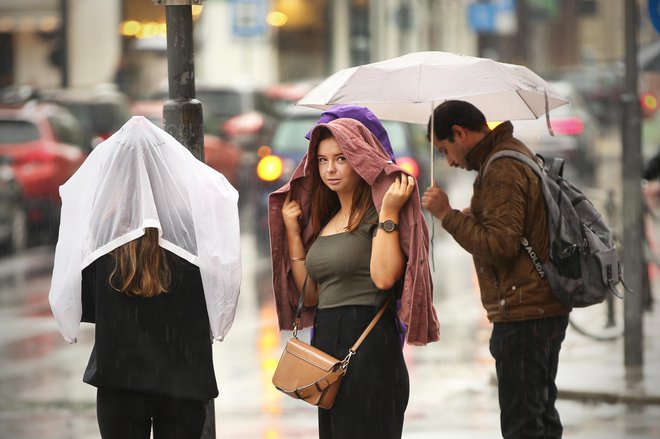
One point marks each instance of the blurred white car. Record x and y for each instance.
(575, 135)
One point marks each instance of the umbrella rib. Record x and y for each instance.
(526, 104)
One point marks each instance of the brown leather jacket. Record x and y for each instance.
(506, 205)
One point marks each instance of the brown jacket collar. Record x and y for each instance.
(476, 156)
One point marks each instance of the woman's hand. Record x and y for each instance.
(291, 214)
(398, 193)
(387, 259)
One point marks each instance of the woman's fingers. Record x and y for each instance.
(410, 185)
(405, 184)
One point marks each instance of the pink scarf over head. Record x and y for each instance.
(367, 156)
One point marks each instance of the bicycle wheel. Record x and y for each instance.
(601, 322)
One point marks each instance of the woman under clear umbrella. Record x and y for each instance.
(148, 250)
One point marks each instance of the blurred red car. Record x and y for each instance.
(221, 155)
(252, 128)
(46, 145)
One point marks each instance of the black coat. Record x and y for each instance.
(159, 345)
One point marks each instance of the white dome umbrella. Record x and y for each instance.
(408, 88)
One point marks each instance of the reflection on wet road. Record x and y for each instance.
(452, 393)
(40, 391)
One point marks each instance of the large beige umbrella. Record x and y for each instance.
(408, 87)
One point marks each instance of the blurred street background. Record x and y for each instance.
(73, 71)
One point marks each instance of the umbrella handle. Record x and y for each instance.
(547, 113)
(431, 137)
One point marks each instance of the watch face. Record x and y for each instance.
(389, 226)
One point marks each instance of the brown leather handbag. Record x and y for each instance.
(310, 374)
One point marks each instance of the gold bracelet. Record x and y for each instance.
(298, 259)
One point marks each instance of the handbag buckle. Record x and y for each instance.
(295, 330)
(347, 359)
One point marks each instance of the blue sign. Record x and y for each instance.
(654, 13)
(492, 16)
(481, 17)
(248, 18)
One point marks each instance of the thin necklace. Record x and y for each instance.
(339, 228)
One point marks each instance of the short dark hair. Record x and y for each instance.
(451, 113)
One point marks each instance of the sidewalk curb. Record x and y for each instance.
(608, 397)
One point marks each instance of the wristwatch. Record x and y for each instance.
(388, 225)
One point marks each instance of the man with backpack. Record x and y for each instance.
(507, 214)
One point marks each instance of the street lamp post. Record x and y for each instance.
(63, 50)
(632, 202)
(182, 112)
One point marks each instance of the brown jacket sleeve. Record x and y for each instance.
(493, 230)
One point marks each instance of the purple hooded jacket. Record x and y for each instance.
(367, 157)
(364, 115)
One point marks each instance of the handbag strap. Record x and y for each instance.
(371, 325)
(359, 341)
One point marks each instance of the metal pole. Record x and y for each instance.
(182, 112)
(64, 43)
(632, 200)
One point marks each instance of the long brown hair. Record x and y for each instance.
(141, 267)
(325, 201)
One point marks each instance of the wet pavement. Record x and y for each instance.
(453, 391)
(452, 382)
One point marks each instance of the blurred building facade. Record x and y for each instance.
(261, 42)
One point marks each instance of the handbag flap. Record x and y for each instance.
(310, 354)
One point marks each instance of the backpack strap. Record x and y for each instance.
(521, 158)
(536, 167)
(556, 169)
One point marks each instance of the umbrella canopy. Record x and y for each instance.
(142, 177)
(407, 88)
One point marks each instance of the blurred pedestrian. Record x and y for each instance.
(651, 199)
(351, 220)
(148, 250)
(529, 322)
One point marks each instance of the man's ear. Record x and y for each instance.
(459, 132)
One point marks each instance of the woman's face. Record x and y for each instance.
(334, 169)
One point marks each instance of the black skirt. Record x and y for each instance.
(373, 395)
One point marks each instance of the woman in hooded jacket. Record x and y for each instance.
(354, 264)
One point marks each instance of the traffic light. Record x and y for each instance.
(649, 104)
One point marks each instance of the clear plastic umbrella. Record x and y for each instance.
(142, 177)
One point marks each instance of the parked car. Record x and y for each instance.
(220, 103)
(601, 86)
(101, 109)
(221, 155)
(13, 218)
(253, 128)
(279, 157)
(575, 135)
(46, 145)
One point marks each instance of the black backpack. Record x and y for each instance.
(584, 264)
